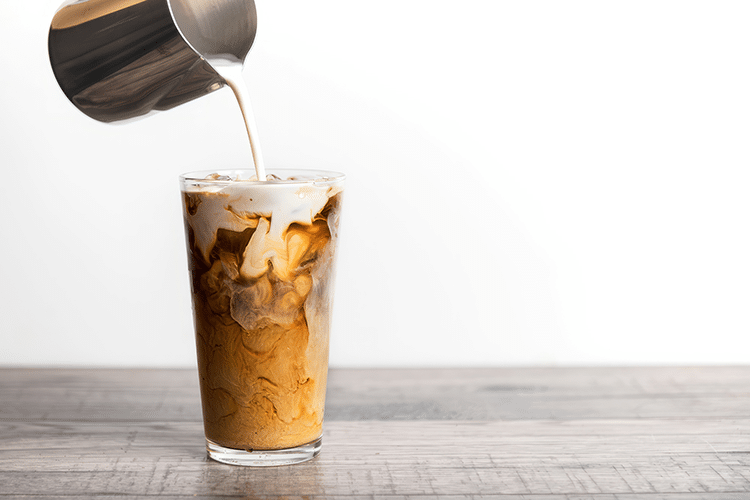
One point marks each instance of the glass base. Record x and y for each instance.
(264, 458)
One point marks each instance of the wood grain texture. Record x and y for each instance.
(404, 394)
(541, 434)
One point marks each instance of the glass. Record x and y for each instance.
(261, 258)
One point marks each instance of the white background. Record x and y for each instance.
(530, 182)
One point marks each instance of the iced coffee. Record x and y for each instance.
(261, 257)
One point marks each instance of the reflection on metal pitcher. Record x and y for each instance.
(118, 59)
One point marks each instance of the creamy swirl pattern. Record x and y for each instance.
(262, 258)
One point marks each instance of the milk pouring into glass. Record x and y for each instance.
(261, 249)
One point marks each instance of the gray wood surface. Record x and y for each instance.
(532, 433)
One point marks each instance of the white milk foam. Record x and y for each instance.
(270, 207)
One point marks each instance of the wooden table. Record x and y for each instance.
(531, 433)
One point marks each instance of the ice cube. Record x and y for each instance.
(217, 177)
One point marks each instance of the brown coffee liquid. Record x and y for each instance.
(262, 333)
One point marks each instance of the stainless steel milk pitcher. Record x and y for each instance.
(118, 59)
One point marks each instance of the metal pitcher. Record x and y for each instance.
(118, 59)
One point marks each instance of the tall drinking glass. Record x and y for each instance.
(261, 258)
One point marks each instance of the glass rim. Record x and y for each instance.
(243, 175)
